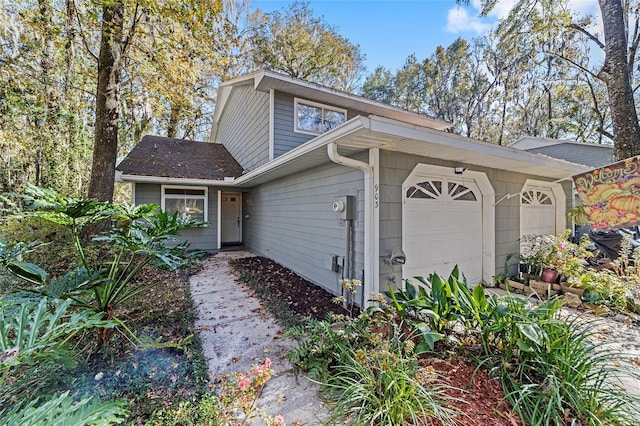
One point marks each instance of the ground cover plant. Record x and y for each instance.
(449, 388)
(61, 360)
(486, 360)
(552, 370)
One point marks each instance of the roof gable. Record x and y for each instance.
(179, 158)
(265, 81)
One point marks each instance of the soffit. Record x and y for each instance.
(362, 133)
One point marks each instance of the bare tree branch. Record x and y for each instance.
(588, 34)
(572, 62)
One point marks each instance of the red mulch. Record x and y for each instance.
(482, 401)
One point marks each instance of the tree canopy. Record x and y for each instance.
(298, 43)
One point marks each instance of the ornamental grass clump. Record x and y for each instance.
(551, 369)
(366, 367)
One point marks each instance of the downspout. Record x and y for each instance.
(371, 198)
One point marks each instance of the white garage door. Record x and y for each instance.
(442, 227)
(537, 212)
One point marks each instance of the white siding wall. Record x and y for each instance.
(292, 222)
(244, 127)
(205, 238)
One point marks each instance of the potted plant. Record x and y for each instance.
(579, 283)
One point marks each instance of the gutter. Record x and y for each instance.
(121, 177)
(371, 216)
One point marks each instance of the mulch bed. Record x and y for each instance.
(481, 399)
(277, 284)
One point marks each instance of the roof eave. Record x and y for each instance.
(162, 180)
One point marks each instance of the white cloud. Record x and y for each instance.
(460, 20)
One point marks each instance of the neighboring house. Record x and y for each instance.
(336, 185)
(590, 154)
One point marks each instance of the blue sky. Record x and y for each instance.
(388, 31)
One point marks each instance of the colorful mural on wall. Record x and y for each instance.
(611, 194)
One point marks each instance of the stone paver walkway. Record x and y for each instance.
(237, 332)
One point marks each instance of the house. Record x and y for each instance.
(334, 185)
(589, 154)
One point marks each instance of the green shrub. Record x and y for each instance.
(34, 344)
(140, 235)
(378, 386)
(366, 365)
(62, 410)
(205, 411)
(567, 379)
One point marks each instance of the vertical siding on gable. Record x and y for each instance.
(285, 137)
(244, 126)
(292, 222)
(396, 167)
(204, 238)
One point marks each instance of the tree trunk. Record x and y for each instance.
(45, 156)
(174, 119)
(105, 147)
(616, 76)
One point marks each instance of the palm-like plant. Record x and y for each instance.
(139, 236)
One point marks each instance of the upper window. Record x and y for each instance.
(188, 201)
(316, 118)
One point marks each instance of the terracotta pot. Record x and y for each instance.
(549, 275)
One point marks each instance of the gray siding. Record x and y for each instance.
(396, 167)
(291, 221)
(244, 127)
(285, 137)
(205, 238)
(586, 153)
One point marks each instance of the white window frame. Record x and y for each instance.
(323, 107)
(204, 197)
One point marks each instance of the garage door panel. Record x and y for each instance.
(445, 230)
(537, 212)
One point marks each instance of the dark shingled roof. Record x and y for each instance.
(179, 158)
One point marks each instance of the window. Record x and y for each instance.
(187, 201)
(317, 118)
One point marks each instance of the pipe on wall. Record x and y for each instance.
(370, 210)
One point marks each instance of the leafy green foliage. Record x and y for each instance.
(11, 258)
(367, 365)
(551, 370)
(206, 411)
(378, 386)
(558, 374)
(62, 410)
(437, 301)
(142, 235)
(34, 343)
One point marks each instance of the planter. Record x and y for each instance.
(542, 287)
(573, 290)
(549, 275)
(511, 284)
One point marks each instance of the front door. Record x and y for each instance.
(231, 224)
